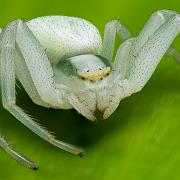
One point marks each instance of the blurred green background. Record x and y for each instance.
(141, 140)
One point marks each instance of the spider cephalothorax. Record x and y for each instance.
(90, 68)
(63, 63)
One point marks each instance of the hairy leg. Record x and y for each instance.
(120, 67)
(150, 46)
(111, 29)
(123, 63)
(137, 58)
(32, 53)
(79, 107)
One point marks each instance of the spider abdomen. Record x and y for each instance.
(64, 37)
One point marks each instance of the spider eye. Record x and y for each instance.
(107, 74)
(82, 78)
(100, 69)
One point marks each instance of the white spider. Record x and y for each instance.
(62, 63)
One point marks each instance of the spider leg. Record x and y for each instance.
(18, 33)
(150, 46)
(173, 53)
(120, 67)
(7, 146)
(156, 20)
(79, 107)
(111, 28)
(122, 62)
(137, 58)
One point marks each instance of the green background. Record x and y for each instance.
(141, 140)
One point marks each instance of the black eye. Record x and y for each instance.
(107, 74)
(101, 79)
(82, 78)
(87, 70)
(100, 69)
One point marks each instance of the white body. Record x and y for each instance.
(63, 63)
(63, 36)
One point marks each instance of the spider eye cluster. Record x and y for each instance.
(94, 75)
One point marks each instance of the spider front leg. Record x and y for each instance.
(150, 46)
(111, 29)
(40, 74)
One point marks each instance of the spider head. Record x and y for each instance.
(91, 68)
(83, 72)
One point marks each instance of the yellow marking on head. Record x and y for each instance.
(95, 75)
(84, 76)
(107, 71)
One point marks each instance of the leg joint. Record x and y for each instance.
(8, 105)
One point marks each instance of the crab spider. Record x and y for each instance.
(62, 63)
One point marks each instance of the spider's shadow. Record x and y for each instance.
(71, 127)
